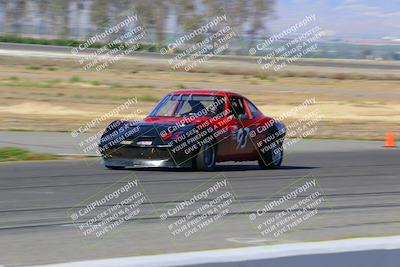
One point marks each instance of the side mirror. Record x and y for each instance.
(243, 117)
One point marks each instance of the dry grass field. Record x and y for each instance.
(55, 94)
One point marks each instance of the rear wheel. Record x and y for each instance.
(206, 158)
(271, 159)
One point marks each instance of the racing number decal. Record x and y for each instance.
(241, 137)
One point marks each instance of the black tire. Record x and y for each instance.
(114, 167)
(272, 159)
(206, 158)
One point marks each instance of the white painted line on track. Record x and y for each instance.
(245, 254)
(245, 240)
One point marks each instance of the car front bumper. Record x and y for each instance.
(145, 157)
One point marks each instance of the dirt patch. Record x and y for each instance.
(66, 97)
(337, 111)
(40, 108)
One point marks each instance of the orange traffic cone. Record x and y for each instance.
(390, 140)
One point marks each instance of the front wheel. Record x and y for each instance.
(206, 158)
(271, 159)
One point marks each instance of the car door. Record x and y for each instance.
(254, 121)
(241, 148)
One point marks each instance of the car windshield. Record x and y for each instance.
(189, 105)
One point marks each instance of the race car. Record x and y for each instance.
(195, 129)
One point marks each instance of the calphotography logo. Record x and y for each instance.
(301, 121)
(185, 138)
(94, 142)
(203, 43)
(108, 210)
(116, 42)
(199, 210)
(290, 208)
(288, 46)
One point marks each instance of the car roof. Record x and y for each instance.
(205, 92)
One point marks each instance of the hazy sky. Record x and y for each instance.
(347, 18)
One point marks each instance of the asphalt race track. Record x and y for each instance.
(361, 187)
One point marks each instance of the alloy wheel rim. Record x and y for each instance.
(276, 156)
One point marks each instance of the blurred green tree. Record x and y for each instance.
(59, 13)
(54, 17)
(153, 14)
(14, 13)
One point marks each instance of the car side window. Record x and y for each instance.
(237, 106)
(254, 111)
